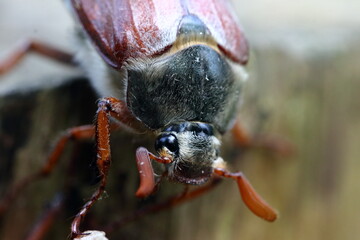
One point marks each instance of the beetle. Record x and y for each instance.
(174, 69)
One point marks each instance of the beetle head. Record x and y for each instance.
(193, 148)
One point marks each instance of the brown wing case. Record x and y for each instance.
(123, 29)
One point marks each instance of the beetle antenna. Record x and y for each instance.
(250, 197)
(146, 172)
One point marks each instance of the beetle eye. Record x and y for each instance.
(169, 141)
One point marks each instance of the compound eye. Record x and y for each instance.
(169, 141)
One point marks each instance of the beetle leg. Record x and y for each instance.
(240, 135)
(39, 48)
(76, 133)
(107, 107)
(276, 145)
(174, 201)
(47, 220)
(250, 197)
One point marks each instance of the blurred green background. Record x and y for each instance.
(304, 87)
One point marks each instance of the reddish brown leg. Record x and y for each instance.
(240, 135)
(272, 144)
(37, 47)
(106, 107)
(47, 220)
(169, 203)
(76, 133)
(250, 197)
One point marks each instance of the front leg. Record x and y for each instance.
(107, 107)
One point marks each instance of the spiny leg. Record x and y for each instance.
(107, 107)
(250, 197)
(76, 133)
(38, 47)
(62, 201)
